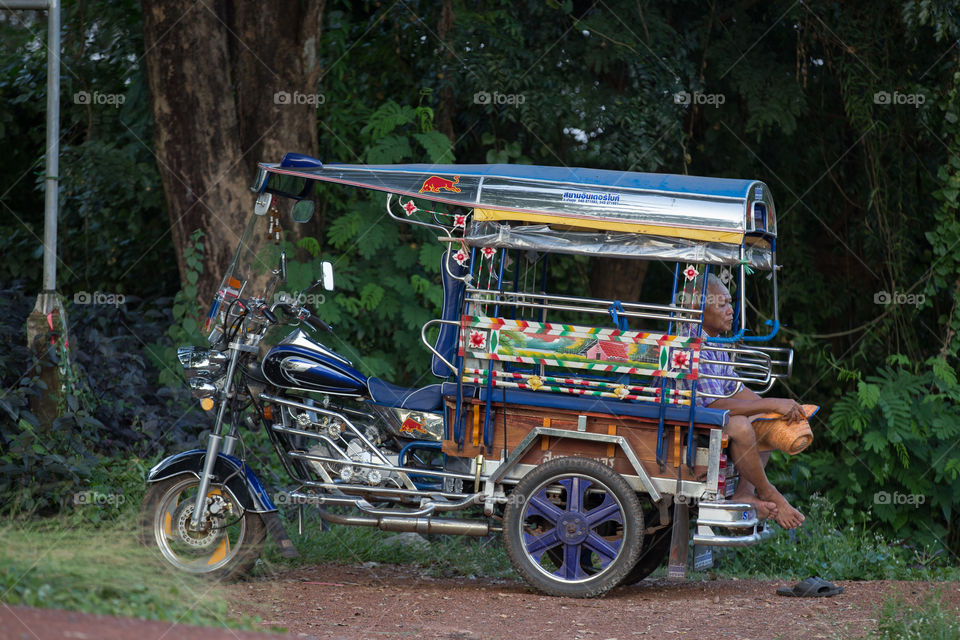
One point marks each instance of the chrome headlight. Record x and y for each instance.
(204, 369)
(205, 363)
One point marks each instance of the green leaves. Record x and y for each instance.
(897, 434)
(388, 150)
(311, 245)
(370, 296)
(868, 394)
(438, 146)
(388, 117)
(875, 441)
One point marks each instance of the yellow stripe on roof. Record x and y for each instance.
(705, 235)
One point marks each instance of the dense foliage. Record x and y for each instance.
(849, 113)
(116, 410)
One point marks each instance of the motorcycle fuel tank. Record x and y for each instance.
(302, 363)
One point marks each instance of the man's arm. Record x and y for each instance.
(747, 403)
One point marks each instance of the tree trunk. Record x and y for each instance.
(618, 279)
(273, 49)
(215, 82)
(447, 105)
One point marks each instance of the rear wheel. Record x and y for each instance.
(573, 528)
(229, 540)
(656, 548)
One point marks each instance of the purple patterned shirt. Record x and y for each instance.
(710, 385)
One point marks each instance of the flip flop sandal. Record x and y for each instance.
(810, 588)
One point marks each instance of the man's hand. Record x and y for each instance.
(790, 410)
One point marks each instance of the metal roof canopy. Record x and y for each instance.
(689, 207)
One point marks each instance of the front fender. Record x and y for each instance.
(244, 483)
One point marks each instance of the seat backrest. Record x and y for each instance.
(448, 338)
(583, 352)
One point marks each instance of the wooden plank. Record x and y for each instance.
(520, 420)
(476, 425)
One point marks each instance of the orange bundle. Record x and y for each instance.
(773, 432)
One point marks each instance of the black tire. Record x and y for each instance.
(656, 549)
(587, 517)
(227, 547)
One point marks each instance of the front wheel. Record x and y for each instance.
(572, 528)
(229, 540)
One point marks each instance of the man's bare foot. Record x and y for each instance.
(786, 516)
(765, 508)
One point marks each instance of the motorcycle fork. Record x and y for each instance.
(213, 443)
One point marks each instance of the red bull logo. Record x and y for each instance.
(412, 426)
(434, 184)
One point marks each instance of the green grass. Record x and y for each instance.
(822, 547)
(88, 559)
(933, 620)
(833, 550)
(445, 556)
(58, 563)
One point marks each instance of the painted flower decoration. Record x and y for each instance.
(459, 221)
(680, 359)
(488, 252)
(461, 257)
(478, 339)
(690, 272)
(410, 208)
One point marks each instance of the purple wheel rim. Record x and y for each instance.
(571, 528)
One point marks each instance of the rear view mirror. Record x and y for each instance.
(302, 211)
(327, 275)
(263, 203)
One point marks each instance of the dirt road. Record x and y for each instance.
(388, 601)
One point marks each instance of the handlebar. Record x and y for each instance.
(301, 314)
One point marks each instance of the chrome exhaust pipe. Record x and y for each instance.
(424, 526)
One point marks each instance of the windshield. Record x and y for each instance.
(254, 272)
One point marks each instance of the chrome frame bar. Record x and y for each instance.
(382, 491)
(382, 467)
(305, 407)
(550, 302)
(423, 339)
(521, 449)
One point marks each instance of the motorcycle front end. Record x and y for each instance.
(205, 510)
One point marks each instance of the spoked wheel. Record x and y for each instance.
(573, 528)
(228, 542)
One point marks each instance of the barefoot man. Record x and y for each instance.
(770, 503)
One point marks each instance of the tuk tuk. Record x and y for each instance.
(566, 422)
